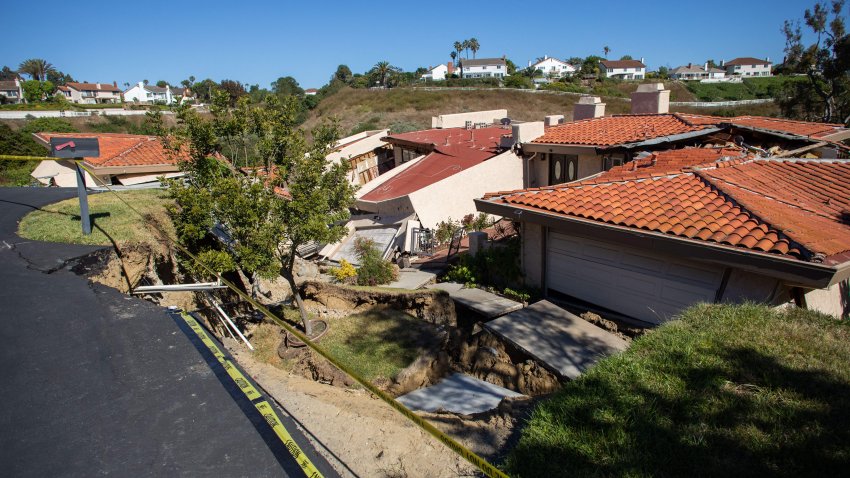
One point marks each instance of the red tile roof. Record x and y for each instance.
(801, 128)
(746, 60)
(790, 207)
(93, 87)
(623, 129)
(124, 150)
(452, 150)
(622, 64)
(665, 163)
(618, 129)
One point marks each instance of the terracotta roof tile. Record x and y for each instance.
(801, 128)
(799, 208)
(617, 129)
(118, 150)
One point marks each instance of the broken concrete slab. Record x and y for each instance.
(564, 343)
(412, 279)
(458, 393)
(485, 303)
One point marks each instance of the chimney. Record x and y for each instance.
(553, 120)
(722, 62)
(767, 59)
(588, 107)
(529, 62)
(545, 57)
(690, 64)
(98, 86)
(651, 98)
(705, 67)
(641, 60)
(525, 132)
(450, 67)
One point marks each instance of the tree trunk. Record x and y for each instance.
(296, 294)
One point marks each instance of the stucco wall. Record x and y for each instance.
(834, 301)
(458, 120)
(454, 196)
(532, 253)
(588, 164)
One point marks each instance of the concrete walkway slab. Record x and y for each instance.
(485, 303)
(457, 393)
(412, 279)
(565, 343)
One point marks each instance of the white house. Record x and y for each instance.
(747, 66)
(623, 69)
(142, 93)
(90, 93)
(484, 68)
(439, 72)
(697, 72)
(11, 91)
(553, 67)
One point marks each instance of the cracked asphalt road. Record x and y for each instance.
(93, 382)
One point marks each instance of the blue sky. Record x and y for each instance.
(259, 41)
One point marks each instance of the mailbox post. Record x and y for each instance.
(77, 149)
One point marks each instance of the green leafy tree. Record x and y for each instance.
(266, 227)
(826, 63)
(626, 57)
(7, 74)
(343, 74)
(287, 86)
(234, 90)
(590, 65)
(663, 72)
(474, 46)
(36, 68)
(510, 66)
(35, 90)
(162, 83)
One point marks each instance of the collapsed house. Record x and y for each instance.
(125, 159)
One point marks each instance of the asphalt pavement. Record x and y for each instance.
(93, 382)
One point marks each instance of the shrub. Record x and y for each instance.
(519, 82)
(476, 223)
(560, 86)
(461, 274)
(374, 270)
(518, 296)
(445, 231)
(344, 272)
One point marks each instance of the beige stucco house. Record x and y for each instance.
(90, 93)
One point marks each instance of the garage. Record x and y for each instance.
(648, 287)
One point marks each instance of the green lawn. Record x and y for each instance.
(726, 391)
(112, 220)
(378, 343)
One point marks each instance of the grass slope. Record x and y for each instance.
(726, 391)
(112, 221)
(405, 109)
(749, 89)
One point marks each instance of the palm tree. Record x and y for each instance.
(459, 48)
(474, 46)
(36, 68)
(465, 45)
(453, 55)
(606, 50)
(382, 70)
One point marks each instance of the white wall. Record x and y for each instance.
(438, 73)
(834, 301)
(555, 67)
(454, 196)
(485, 71)
(748, 70)
(458, 120)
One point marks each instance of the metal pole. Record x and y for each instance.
(84, 199)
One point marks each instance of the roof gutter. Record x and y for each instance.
(157, 168)
(792, 271)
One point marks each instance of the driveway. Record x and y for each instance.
(93, 382)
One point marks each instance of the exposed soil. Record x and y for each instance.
(330, 300)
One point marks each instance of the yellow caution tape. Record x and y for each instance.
(461, 450)
(266, 410)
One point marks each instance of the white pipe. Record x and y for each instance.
(220, 311)
(152, 289)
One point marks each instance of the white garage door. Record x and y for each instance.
(648, 287)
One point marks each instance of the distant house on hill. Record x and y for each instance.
(484, 68)
(553, 67)
(748, 66)
(311, 91)
(439, 72)
(623, 69)
(142, 93)
(90, 93)
(697, 72)
(11, 91)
